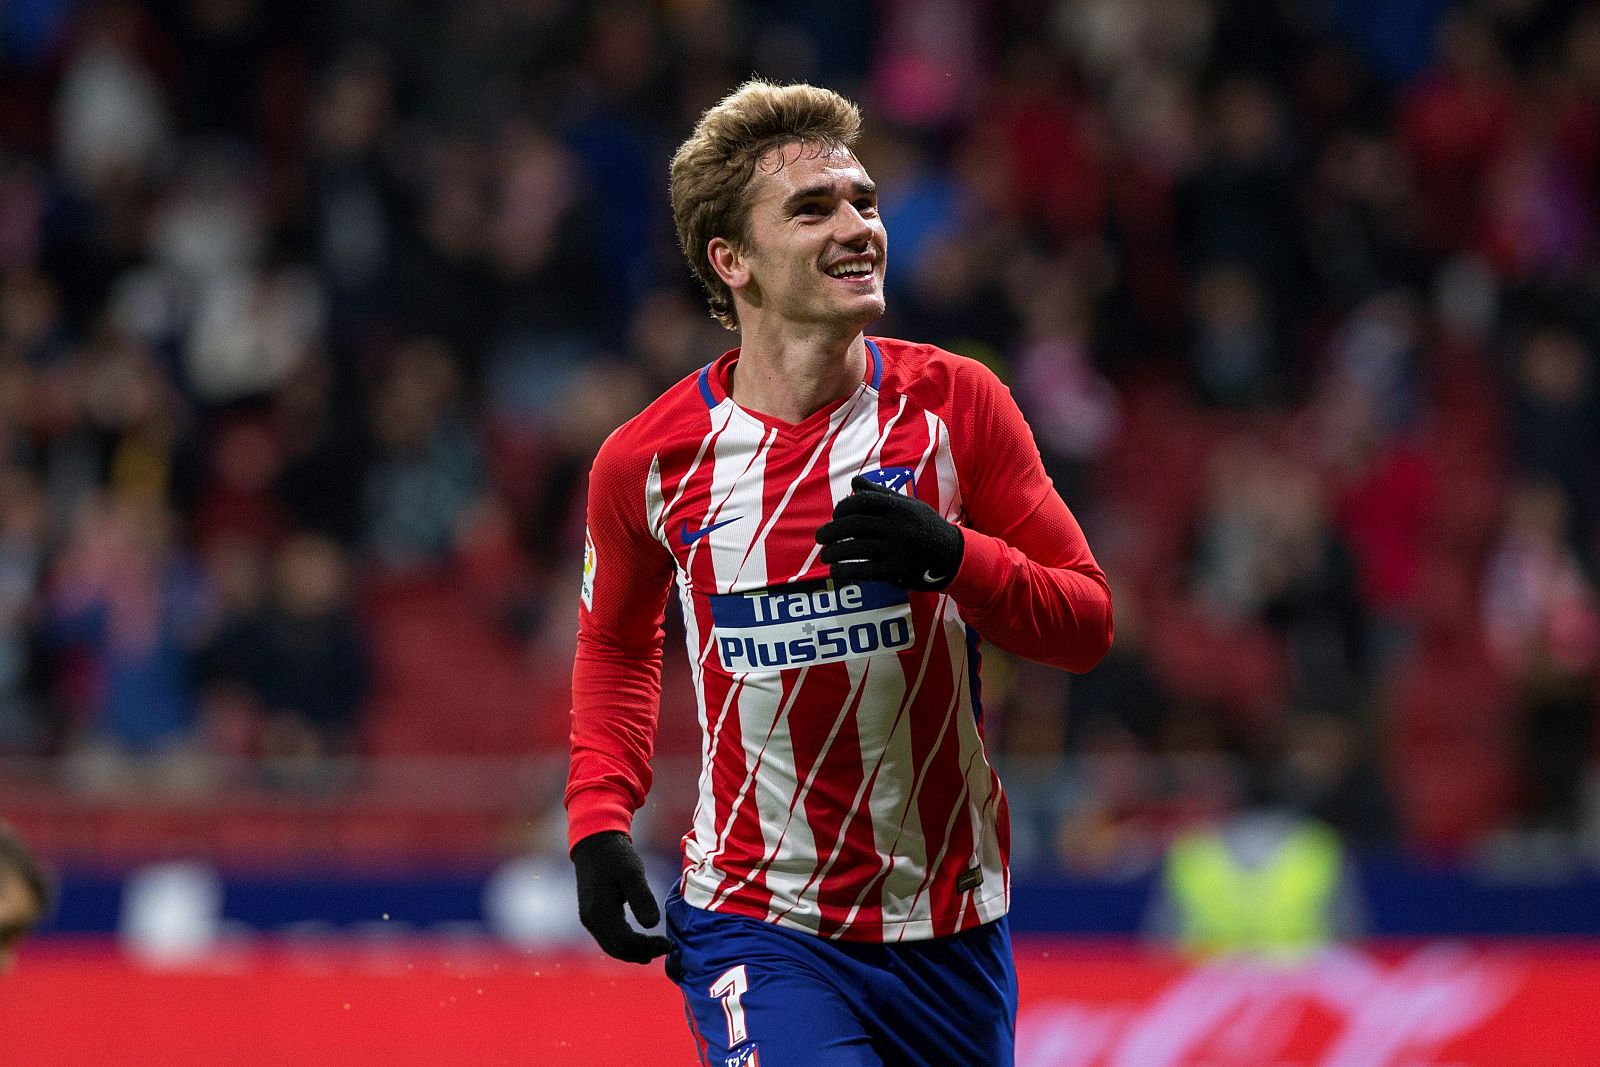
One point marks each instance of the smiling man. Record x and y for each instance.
(24, 895)
(843, 516)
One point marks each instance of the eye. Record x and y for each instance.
(809, 209)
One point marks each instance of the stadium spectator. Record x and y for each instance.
(544, 250)
(22, 560)
(1328, 771)
(426, 467)
(1238, 208)
(1555, 419)
(1308, 593)
(113, 122)
(1073, 409)
(355, 201)
(1361, 218)
(439, 281)
(238, 502)
(129, 608)
(1122, 695)
(308, 666)
(1383, 485)
(25, 894)
(229, 715)
(1449, 723)
(1541, 617)
(326, 447)
(1456, 121)
(1236, 355)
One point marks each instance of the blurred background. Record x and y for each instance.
(313, 314)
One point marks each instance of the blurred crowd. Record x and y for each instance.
(312, 316)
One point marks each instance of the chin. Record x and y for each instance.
(848, 315)
(867, 308)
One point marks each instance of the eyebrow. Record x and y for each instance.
(813, 192)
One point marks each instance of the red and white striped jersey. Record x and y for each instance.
(844, 788)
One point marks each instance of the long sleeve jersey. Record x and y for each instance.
(844, 789)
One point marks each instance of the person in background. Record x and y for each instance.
(1540, 615)
(1264, 879)
(308, 664)
(25, 894)
(130, 606)
(427, 469)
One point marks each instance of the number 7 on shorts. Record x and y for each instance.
(729, 988)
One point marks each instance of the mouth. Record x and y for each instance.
(855, 271)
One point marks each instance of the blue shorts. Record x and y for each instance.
(762, 995)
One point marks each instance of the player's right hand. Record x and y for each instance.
(879, 535)
(609, 875)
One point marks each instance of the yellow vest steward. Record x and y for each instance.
(1280, 906)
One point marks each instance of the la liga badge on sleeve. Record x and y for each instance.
(586, 593)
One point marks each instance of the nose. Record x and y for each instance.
(854, 227)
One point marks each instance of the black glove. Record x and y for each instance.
(880, 535)
(609, 873)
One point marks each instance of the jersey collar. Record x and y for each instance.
(713, 379)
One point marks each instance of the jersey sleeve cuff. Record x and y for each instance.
(984, 563)
(593, 811)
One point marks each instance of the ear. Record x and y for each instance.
(729, 263)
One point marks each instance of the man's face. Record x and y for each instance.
(815, 249)
(19, 911)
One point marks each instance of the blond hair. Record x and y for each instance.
(711, 171)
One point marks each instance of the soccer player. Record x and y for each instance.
(843, 517)
(24, 895)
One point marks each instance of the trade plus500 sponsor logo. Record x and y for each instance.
(809, 622)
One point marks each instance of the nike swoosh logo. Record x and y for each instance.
(689, 537)
(931, 578)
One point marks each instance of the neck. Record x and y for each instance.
(790, 377)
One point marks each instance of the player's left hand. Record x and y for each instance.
(879, 535)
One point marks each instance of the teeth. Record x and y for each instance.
(844, 269)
